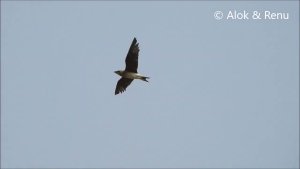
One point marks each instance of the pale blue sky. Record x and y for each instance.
(222, 93)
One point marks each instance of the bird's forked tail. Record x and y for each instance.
(144, 78)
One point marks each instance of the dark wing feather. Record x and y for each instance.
(122, 84)
(132, 57)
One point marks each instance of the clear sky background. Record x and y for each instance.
(222, 93)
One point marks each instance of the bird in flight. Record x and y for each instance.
(130, 73)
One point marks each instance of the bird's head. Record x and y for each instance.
(119, 72)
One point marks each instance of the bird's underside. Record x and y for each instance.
(130, 72)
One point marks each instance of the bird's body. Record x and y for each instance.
(130, 73)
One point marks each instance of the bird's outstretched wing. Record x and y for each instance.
(132, 57)
(122, 84)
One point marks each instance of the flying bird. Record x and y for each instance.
(130, 73)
